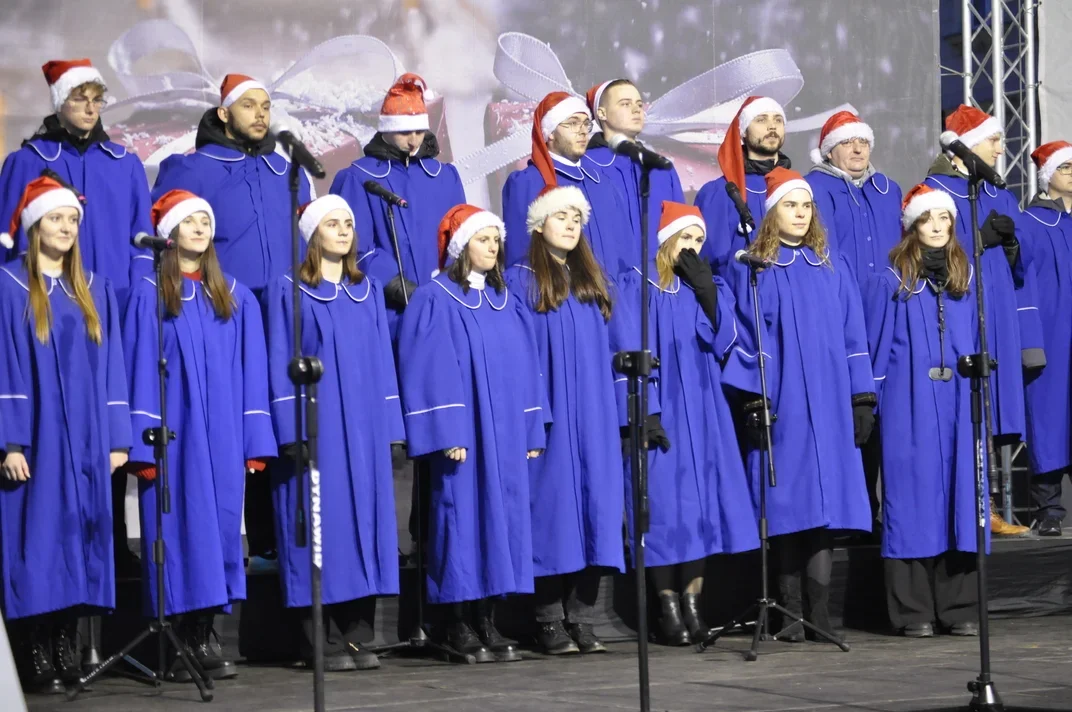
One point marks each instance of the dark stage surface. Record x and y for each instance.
(1032, 662)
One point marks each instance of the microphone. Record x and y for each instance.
(975, 165)
(298, 152)
(146, 241)
(740, 204)
(753, 262)
(378, 190)
(638, 154)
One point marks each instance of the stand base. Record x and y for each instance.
(761, 610)
(985, 697)
(419, 641)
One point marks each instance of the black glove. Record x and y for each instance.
(863, 417)
(696, 273)
(291, 452)
(393, 291)
(754, 430)
(657, 437)
(997, 230)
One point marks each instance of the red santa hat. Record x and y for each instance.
(922, 199)
(842, 126)
(782, 181)
(63, 75)
(458, 227)
(731, 152)
(235, 85)
(555, 108)
(403, 108)
(970, 125)
(1049, 157)
(40, 197)
(678, 216)
(311, 214)
(175, 206)
(553, 200)
(593, 97)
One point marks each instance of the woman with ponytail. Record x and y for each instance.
(217, 390)
(64, 429)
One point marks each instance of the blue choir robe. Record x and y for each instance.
(1046, 246)
(218, 407)
(814, 333)
(250, 198)
(431, 187)
(1000, 283)
(928, 465)
(345, 326)
(724, 229)
(699, 498)
(65, 404)
(575, 488)
(607, 229)
(624, 175)
(863, 223)
(470, 378)
(117, 203)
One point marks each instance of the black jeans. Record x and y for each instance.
(1046, 495)
(567, 597)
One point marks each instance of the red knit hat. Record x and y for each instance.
(40, 197)
(731, 152)
(1049, 157)
(922, 199)
(63, 75)
(842, 126)
(175, 206)
(970, 125)
(781, 181)
(678, 216)
(235, 85)
(403, 109)
(458, 227)
(555, 108)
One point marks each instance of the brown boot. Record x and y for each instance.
(999, 527)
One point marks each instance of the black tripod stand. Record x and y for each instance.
(978, 367)
(159, 437)
(761, 609)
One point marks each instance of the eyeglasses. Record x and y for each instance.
(857, 143)
(97, 102)
(577, 126)
(1065, 169)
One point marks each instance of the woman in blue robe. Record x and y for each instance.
(217, 404)
(344, 324)
(576, 491)
(65, 428)
(921, 318)
(473, 404)
(699, 500)
(821, 389)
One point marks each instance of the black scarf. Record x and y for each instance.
(762, 168)
(378, 148)
(211, 131)
(52, 130)
(935, 265)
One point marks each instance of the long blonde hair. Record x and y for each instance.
(664, 262)
(768, 239)
(39, 309)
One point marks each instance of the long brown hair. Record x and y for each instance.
(314, 255)
(768, 239)
(664, 261)
(907, 258)
(459, 270)
(216, 288)
(553, 284)
(39, 308)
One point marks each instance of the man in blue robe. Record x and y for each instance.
(752, 149)
(402, 158)
(618, 110)
(560, 128)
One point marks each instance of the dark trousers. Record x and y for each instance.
(259, 514)
(872, 457)
(804, 562)
(119, 511)
(1046, 495)
(942, 588)
(567, 597)
(343, 624)
(675, 577)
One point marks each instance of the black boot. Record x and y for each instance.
(554, 639)
(791, 599)
(585, 637)
(36, 672)
(504, 649)
(208, 649)
(672, 630)
(818, 608)
(460, 637)
(690, 611)
(63, 662)
(337, 657)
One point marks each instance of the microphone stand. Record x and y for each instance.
(637, 366)
(978, 368)
(766, 603)
(159, 437)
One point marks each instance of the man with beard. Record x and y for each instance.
(619, 111)
(752, 149)
(560, 128)
(402, 158)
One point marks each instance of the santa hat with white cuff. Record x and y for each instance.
(311, 214)
(40, 197)
(235, 85)
(1048, 158)
(555, 108)
(458, 227)
(842, 126)
(970, 126)
(923, 199)
(678, 216)
(731, 152)
(64, 75)
(781, 182)
(175, 206)
(403, 108)
(553, 200)
(593, 96)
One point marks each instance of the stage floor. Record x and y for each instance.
(1032, 663)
